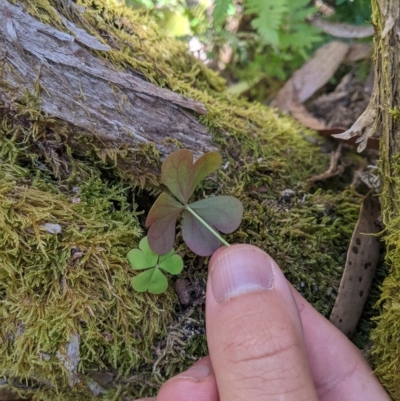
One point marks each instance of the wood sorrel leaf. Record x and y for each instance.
(197, 237)
(145, 248)
(152, 280)
(204, 166)
(165, 256)
(162, 220)
(181, 176)
(173, 264)
(142, 258)
(225, 213)
(138, 260)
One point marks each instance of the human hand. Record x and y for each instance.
(266, 342)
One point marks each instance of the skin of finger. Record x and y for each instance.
(256, 343)
(182, 388)
(339, 370)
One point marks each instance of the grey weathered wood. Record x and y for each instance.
(85, 90)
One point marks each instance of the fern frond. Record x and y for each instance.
(297, 4)
(268, 17)
(300, 38)
(220, 12)
(295, 32)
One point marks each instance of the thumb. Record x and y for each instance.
(254, 331)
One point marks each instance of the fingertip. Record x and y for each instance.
(338, 368)
(216, 254)
(224, 249)
(195, 384)
(253, 326)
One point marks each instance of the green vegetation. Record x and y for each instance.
(269, 39)
(354, 12)
(153, 279)
(201, 219)
(59, 288)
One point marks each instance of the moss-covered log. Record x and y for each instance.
(88, 92)
(73, 193)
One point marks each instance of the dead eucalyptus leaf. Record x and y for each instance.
(362, 258)
(366, 125)
(313, 75)
(300, 113)
(307, 80)
(338, 30)
(358, 51)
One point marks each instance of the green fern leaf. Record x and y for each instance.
(297, 4)
(295, 32)
(268, 17)
(220, 12)
(301, 37)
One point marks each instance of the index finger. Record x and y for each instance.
(339, 370)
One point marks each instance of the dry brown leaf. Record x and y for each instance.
(362, 258)
(372, 142)
(338, 30)
(313, 75)
(300, 113)
(358, 51)
(334, 168)
(307, 80)
(364, 127)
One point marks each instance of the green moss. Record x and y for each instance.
(386, 349)
(77, 281)
(395, 112)
(53, 286)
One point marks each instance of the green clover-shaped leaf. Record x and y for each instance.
(153, 279)
(201, 219)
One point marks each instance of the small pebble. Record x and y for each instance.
(183, 290)
(51, 228)
(287, 194)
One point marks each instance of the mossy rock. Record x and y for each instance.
(71, 325)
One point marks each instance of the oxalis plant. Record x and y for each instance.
(203, 220)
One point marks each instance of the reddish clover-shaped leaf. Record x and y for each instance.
(197, 237)
(181, 176)
(162, 220)
(225, 213)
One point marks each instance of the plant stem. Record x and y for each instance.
(206, 225)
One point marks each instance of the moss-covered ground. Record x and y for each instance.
(74, 284)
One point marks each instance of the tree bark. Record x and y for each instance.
(386, 106)
(387, 57)
(87, 92)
